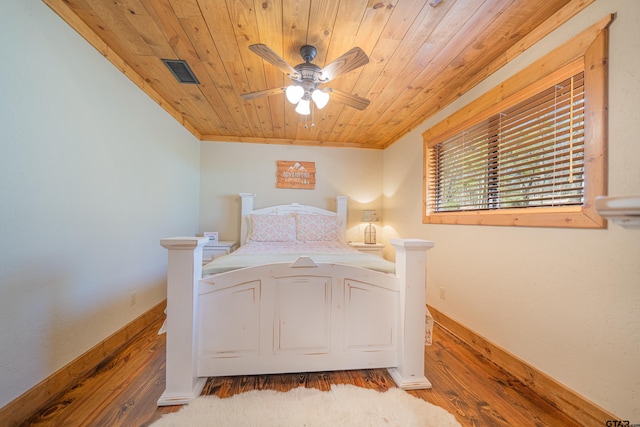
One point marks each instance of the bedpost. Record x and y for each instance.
(411, 269)
(183, 273)
(341, 211)
(246, 208)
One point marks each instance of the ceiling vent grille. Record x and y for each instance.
(181, 71)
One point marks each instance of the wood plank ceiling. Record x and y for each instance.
(423, 55)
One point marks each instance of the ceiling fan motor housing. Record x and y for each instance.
(308, 71)
(309, 77)
(308, 52)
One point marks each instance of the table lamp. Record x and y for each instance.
(369, 231)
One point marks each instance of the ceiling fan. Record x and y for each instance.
(306, 77)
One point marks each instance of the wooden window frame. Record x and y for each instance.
(587, 51)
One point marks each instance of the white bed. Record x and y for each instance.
(292, 313)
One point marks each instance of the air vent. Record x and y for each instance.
(180, 69)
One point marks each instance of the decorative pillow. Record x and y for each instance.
(313, 228)
(272, 228)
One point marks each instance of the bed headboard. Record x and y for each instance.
(247, 210)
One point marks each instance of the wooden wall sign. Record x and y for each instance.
(293, 174)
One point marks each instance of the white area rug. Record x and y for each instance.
(344, 405)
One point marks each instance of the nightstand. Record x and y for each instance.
(213, 250)
(369, 248)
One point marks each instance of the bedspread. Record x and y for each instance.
(260, 253)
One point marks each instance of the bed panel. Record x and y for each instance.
(308, 316)
(229, 321)
(371, 317)
(302, 318)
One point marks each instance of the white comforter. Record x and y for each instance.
(260, 253)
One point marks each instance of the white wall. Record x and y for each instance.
(231, 168)
(566, 301)
(92, 175)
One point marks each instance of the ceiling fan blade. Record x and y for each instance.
(259, 94)
(273, 58)
(348, 61)
(349, 99)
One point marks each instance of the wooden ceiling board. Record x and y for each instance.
(463, 48)
(455, 34)
(270, 15)
(416, 52)
(217, 87)
(423, 54)
(448, 88)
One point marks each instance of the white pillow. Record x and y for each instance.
(272, 228)
(316, 228)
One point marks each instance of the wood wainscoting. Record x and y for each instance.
(564, 399)
(58, 383)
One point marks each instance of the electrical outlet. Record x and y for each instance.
(133, 298)
(443, 295)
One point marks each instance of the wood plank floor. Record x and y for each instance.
(124, 391)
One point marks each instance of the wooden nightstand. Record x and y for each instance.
(213, 250)
(369, 248)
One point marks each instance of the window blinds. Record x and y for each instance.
(529, 155)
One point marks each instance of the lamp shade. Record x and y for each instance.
(369, 216)
(303, 107)
(320, 97)
(294, 93)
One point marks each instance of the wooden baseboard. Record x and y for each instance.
(19, 410)
(564, 399)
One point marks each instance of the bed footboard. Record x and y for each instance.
(298, 317)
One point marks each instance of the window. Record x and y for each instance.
(536, 157)
(529, 155)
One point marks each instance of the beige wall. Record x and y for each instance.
(566, 301)
(92, 174)
(228, 169)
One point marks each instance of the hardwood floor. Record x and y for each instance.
(124, 390)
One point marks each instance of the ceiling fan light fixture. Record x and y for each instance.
(303, 90)
(294, 93)
(321, 98)
(303, 107)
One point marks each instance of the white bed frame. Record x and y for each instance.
(299, 317)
